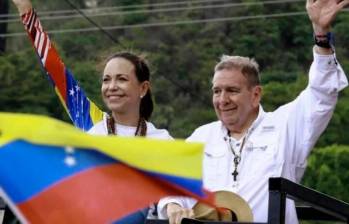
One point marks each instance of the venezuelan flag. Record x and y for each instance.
(82, 111)
(51, 172)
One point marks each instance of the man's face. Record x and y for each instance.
(234, 101)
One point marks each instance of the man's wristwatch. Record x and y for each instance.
(325, 41)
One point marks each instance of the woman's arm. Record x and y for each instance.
(82, 111)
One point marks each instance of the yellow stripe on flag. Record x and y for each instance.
(169, 157)
(95, 113)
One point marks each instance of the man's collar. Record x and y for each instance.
(261, 114)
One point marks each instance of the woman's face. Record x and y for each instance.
(121, 90)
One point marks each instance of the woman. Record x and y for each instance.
(125, 91)
(125, 87)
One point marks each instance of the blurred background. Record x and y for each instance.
(182, 40)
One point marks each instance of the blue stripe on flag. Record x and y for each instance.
(78, 104)
(35, 167)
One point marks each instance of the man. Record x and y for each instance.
(247, 146)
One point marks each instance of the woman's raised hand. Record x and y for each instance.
(23, 6)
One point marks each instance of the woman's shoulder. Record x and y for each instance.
(99, 128)
(153, 132)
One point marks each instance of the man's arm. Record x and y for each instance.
(82, 111)
(310, 113)
(176, 208)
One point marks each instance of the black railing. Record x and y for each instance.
(319, 206)
(316, 205)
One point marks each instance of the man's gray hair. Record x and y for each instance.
(248, 67)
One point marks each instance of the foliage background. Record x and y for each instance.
(182, 59)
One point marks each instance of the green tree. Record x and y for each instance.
(328, 171)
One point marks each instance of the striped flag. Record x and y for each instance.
(51, 172)
(82, 111)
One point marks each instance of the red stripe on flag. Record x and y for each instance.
(55, 68)
(99, 195)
